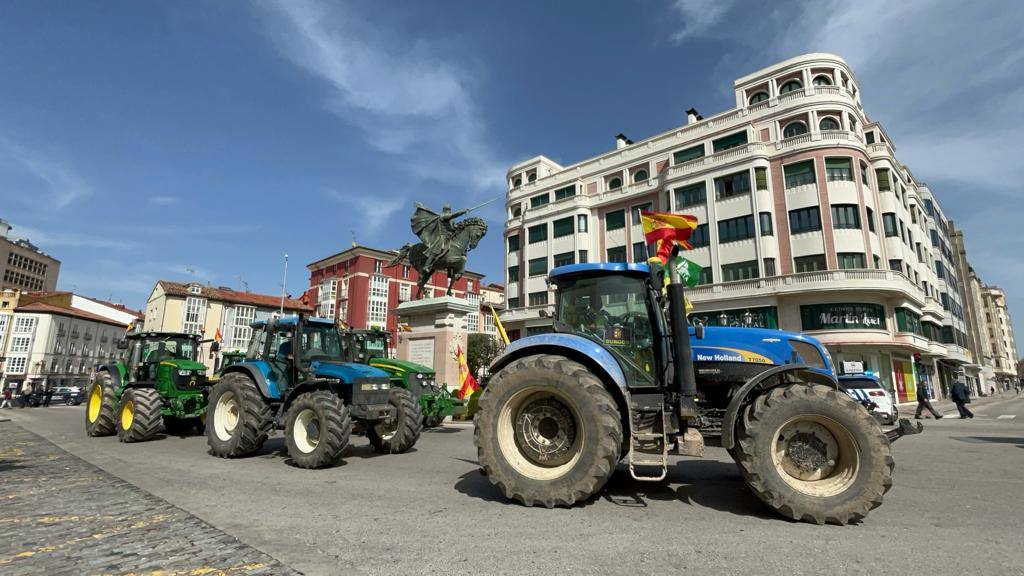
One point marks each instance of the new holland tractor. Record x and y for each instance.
(435, 400)
(160, 382)
(296, 378)
(619, 379)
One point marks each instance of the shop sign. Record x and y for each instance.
(842, 317)
(853, 367)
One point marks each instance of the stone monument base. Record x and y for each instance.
(432, 329)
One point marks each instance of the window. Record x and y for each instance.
(538, 233)
(640, 176)
(328, 293)
(617, 254)
(882, 177)
(581, 223)
(769, 267)
(377, 307)
(639, 252)
(195, 315)
(405, 292)
(732, 185)
(739, 271)
(583, 257)
(790, 86)
(822, 80)
(758, 97)
(812, 263)
(540, 200)
(513, 243)
(907, 321)
(864, 174)
(690, 195)
(513, 273)
(241, 331)
(538, 266)
(869, 137)
(538, 298)
(517, 211)
(889, 224)
(405, 272)
(705, 277)
(761, 178)
(799, 174)
(615, 220)
(564, 259)
(871, 220)
(848, 260)
(562, 227)
(531, 177)
(16, 364)
(846, 216)
(20, 344)
(615, 183)
(794, 129)
(699, 237)
(838, 169)
(513, 302)
(517, 182)
(827, 123)
(688, 154)
(195, 289)
(636, 210)
(735, 229)
(766, 224)
(896, 265)
(730, 141)
(566, 192)
(804, 220)
(877, 261)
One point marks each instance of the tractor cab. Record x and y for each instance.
(164, 356)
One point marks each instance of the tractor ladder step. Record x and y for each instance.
(642, 458)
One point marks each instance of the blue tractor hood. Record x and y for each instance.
(346, 371)
(758, 346)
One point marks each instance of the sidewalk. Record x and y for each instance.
(947, 408)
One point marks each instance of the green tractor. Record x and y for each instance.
(435, 400)
(160, 381)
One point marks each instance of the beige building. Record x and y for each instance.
(8, 302)
(1003, 346)
(23, 265)
(214, 313)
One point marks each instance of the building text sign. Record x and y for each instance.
(842, 317)
(421, 351)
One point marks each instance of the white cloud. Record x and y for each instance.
(372, 211)
(699, 17)
(64, 186)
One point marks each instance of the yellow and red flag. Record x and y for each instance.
(218, 337)
(467, 382)
(667, 230)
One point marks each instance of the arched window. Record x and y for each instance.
(615, 183)
(828, 123)
(517, 182)
(531, 177)
(640, 176)
(790, 86)
(758, 97)
(794, 129)
(822, 80)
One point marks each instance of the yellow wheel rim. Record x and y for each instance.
(127, 415)
(95, 402)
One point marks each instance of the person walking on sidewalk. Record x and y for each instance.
(961, 396)
(7, 399)
(47, 395)
(924, 395)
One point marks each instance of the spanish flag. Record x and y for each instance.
(466, 380)
(667, 230)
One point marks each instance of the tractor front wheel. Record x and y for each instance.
(433, 420)
(403, 432)
(547, 431)
(238, 420)
(813, 454)
(139, 416)
(317, 429)
(99, 412)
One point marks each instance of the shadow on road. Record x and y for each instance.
(474, 484)
(991, 440)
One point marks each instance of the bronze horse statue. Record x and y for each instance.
(465, 236)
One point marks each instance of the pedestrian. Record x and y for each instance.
(47, 395)
(993, 390)
(924, 395)
(26, 394)
(961, 397)
(7, 399)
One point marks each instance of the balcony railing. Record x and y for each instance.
(865, 279)
(721, 157)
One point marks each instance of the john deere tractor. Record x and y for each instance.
(624, 377)
(435, 400)
(295, 377)
(160, 382)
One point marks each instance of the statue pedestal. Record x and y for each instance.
(436, 327)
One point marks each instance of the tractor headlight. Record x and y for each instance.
(201, 372)
(184, 372)
(419, 376)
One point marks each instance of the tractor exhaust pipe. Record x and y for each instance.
(683, 380)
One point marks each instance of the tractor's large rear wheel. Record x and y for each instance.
(139, 416)
(547, 432)
(238, 421)
(317, 429)
(403, 432)
(99, 412)
(813, 454)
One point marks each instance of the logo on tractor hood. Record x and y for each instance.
(705, 354)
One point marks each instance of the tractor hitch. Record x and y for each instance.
(904, 428)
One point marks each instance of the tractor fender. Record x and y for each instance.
(256, 374)
(115, 374)
(771, 378)
(577, 348)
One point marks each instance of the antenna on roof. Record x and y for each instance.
(354, 243)
(245, 285)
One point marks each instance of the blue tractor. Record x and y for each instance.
(295, 377)
(614, 382)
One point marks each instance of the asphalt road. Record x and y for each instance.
(957, 507)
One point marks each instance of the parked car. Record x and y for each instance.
(868, 389)
(69, 395)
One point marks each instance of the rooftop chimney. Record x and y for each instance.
(4, 228)
(621, 141)
(693, 116)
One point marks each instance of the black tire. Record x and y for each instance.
(245, 421)
(855, 466)
(433, 420)
(317, 429)
(566, 394)
(99, 414)
(138, 416)
(401, 435)
(181, 426)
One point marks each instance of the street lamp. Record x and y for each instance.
(723, 319)
(748, 319)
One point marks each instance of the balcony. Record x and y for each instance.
(524, 314)
(828, 280)
(839, 136)
(739, 153)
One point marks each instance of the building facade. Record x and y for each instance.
(808, 221)
(1003, 346)
(23, 265)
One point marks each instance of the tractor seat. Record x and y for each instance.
(284, 350)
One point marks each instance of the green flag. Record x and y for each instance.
(689, 272)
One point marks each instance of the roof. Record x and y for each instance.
(137, 313)
(600, 267)
(360, 250)
(44, 308)
(228, 295)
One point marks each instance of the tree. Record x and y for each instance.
(481, 349)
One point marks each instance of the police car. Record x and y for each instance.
(866, 388)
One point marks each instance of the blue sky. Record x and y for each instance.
(142, 140)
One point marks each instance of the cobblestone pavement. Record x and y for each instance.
(61, 515)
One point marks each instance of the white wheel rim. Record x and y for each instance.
(225, 416)
(306, 431)
(526, 406)
(816, 455)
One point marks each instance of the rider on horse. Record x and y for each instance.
(434, 230)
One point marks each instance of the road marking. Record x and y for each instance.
(1006, 417)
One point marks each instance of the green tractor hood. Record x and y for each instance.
(400, 368)
(183, 364)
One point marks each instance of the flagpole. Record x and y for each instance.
(284, 282)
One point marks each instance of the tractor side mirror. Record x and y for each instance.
(698, 331)
(561, 327)
(122, 344)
